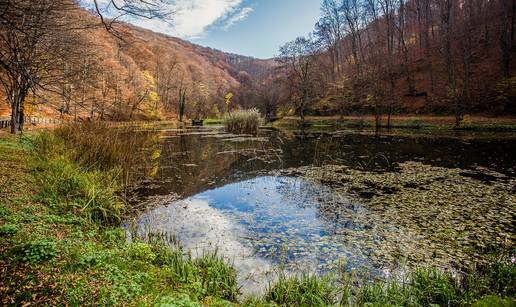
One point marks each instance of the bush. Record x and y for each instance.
(243, 121)
(141, 251)
(39, 251)
(8, 229)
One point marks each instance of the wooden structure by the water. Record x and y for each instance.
(4, 123)
(197, 122)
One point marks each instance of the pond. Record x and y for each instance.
(320, 201)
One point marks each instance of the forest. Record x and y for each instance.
(378, 58)
(369, 162)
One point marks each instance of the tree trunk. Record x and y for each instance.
(17, 116)
(507, 35)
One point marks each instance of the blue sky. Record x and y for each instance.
(248, 27)
(270, 24)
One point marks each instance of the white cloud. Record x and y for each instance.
(237, 17)
(193, 18)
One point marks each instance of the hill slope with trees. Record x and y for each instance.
(129, 74)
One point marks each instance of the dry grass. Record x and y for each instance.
(243, 121)
(101, 146)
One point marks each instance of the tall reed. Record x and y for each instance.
(243, 121)
(86, 168)
(101, 146)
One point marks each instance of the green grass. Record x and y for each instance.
(304, 290)
(422, 287)
(398, 123)
(213, 122)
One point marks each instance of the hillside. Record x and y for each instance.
(416, 56)
(137, 73)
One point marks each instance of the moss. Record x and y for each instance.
(213, 122)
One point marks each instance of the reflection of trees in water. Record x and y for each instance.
(367, 151)
(193, 162)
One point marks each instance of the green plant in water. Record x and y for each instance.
(432, 286)
(217, 278)
(304, 290)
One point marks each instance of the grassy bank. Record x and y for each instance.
(470, 123)
(61, 200)
(493, 285)
(60, 243)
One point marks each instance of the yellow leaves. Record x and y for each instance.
(154, 171)
(156, 154)
(351, 59)
(412, 40)
(228, 98)
(149, 78)
(152, 97)
(205, 155)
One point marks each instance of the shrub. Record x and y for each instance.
(39, 251)
(141, 251)
(8, 229)
(243, 121)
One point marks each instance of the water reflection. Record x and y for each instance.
(194, 159)
(231, 199)
(264, 224)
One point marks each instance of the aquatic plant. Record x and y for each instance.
(243, 121)
(217, 277)
(423, 214)
(304, 290)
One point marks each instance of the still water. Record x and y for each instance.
(217, 191)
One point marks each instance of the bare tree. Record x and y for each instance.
(330, 33)
(298, 59)
(36, 38)
(116, 9)
(507, 32)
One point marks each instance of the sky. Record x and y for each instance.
(248, 27)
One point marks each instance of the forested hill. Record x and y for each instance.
(133, 73)
(399, 56)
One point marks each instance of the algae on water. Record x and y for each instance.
(421, 214)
